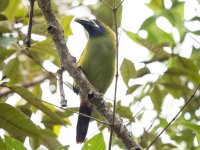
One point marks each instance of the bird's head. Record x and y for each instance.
(94, 27)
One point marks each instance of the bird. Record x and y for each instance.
(98, 63)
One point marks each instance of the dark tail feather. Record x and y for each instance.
(82, 124)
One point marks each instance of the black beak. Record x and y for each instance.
(86, 23)
(91, 26)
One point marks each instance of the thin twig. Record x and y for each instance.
(63, 101)
(116, 74)
(120, 4)
(175, 117)
(147, 131)
(194, 39)
(109, 99)
(27, 41)
(153, 121)
(134, 116)
(75, 112)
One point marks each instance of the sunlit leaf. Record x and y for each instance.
(65, 22)
(12, 8)
(13, 144)
(96, 142)
(198, 138)
(32, 99)
(192, 126)
(148, 22)
(37, 90)
(127, 70)
(14, 121)
(134, 37)
(156, 5)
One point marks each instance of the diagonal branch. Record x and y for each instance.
(95, 98)
(175, 117)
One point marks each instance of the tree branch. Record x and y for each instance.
(86, 89)
(27, 41)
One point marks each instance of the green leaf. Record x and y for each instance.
(11, 70)
(127, 70)
(148, 22)
(96, 142)
(49, 139)
(5, 53)
(192, 126)
(3, 17)
(143, 71)
(157, 97)
(168, 146)
(44, 47)
(175, 89)
(40, 28)
(37, 90)
(47, 49)
(15, 122)
(65, 22)
(133, 37)
(29, 97)
(157, 36)
(123, 111)
(198, 138)
(12, 8)
(4, 4)
(2, 144)
(154, 43)
(132, 89)
(101, 9)
(156, 5)
(183, 66)
(66, 147)
(13, 144)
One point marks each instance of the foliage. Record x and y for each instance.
(20, 65)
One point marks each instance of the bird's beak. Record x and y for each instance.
(86, 22)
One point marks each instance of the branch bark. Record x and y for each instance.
(67, 62)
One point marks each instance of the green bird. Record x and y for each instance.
(98, 64)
